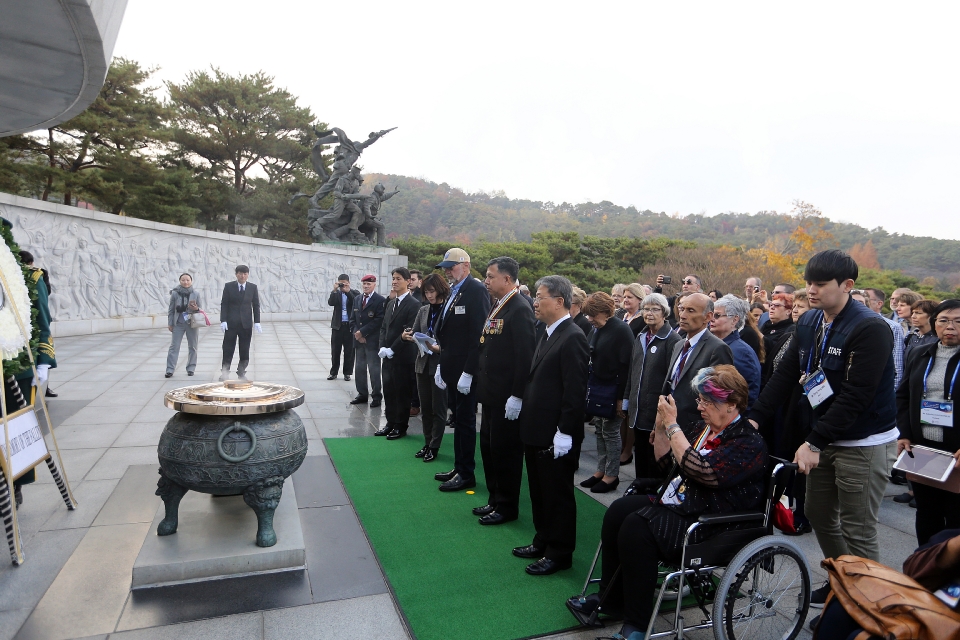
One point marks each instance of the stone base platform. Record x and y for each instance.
(216, 538)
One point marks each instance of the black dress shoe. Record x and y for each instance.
(484, 510)
(347, 378)
(50, 394)
(396, 434)
(430, 455)
(385, 430)
(189, 373)
(528, 551)
(168, 375)
(331, 377)
(589, 482)
(446, 475)
(359, 400)
(584, 604)
(802, 528)
(421, 453)
(458, 483)
(603, 487)
(546, 566)
(375, 403)
(496, 518)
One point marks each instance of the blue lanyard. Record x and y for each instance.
(823, 346)
(433, 316)
(952, 382)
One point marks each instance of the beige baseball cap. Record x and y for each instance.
(452, 257)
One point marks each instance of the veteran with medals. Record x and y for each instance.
(506, 351)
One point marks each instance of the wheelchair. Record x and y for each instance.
(756, 584)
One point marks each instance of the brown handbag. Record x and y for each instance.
(888, 604)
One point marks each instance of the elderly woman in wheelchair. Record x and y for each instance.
(718, 465)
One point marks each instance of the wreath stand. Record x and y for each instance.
(8, 510)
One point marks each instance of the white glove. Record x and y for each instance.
(382, 353)
(223, 326)
(41, 374)
(388, 352)
(514, 404)
(463, 385)
(562, 443)
(256, 325)
(437, 380)
(625, 405)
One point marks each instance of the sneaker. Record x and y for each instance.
(819, 596)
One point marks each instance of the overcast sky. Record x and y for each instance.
(676, 107)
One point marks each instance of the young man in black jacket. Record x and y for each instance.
(844, 354)
(341, 299)
(239, 316)
(397, 355)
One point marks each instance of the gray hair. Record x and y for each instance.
(658, 299)
(559, 287)
(735, 308)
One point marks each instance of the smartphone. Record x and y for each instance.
(667, 279)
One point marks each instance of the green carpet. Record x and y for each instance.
(455, 579)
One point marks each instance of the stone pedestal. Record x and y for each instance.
(216, 539)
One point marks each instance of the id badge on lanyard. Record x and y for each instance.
(937, 411)
(815, 385)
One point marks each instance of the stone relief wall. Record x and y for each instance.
(113, 273)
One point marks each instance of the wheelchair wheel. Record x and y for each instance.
(764, 593)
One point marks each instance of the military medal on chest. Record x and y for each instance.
(494, 326)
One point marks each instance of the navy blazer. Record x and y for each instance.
(240, 310)
(367, 321)
(459, 331)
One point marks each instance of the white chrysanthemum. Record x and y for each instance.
(12, 341)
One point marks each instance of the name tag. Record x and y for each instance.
(817, 388)
(459, 310)
(936, 412)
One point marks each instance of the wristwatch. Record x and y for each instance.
(672, 429)
(814, 448)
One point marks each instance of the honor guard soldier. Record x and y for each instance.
(506, 351)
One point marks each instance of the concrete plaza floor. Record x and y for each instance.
(108, 418)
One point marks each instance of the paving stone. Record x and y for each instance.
(366, 617)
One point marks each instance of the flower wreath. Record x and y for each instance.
(12, 343)
(12, 340)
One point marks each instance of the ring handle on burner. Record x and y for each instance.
(237, 427)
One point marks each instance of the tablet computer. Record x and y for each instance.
(926, 463)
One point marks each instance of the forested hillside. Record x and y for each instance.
(444, 212)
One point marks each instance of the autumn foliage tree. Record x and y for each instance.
(865, 255)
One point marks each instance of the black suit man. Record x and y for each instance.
(552, 428)
(366, 317)
(341, 299)
(458, 333)
(700, 349)
(398, 355)
(506, 351)
(239, 316)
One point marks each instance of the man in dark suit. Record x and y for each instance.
(341, 299)
(458, 333)
(398, 355)
(239, 316)
(700, 349)
(506, 351)
(366, 317)
(552, 428)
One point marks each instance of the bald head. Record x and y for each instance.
(695, 310)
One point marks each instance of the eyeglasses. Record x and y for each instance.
(948, 322)
(688, 281)
(539, 298)
(717, 316)
(777, 305)
(701, 402)
(652, 310)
